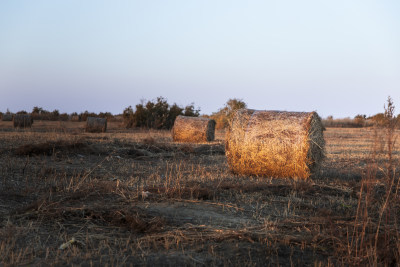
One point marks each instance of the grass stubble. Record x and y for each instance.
(136, 198)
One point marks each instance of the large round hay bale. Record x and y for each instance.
(96, 125)
(193, 129)
(275, 143)
(22, 120)
(7, 117)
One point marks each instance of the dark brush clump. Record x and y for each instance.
(49, 148)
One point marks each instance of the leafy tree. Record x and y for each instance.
(224, 115)
(86, 114)
(55, 114)
(37, 110)
(156, 114)
(191, 111)
(128, 116)
(378, 119)
(359, 120)
(63, 117)
(106, 115)
(140, 117)
(174, 111)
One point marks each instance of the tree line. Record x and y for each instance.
(159, 114)
(39, 113)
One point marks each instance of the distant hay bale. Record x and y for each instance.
(7, 117)
(75, 118)
(193, 129)
(275, 143)
(22, 120)
(96, 125)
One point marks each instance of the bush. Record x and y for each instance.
(224, 115)
(156, 114)
(378, 119)
(87, 114)
(360, 120)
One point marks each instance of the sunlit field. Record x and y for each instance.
(134, 197)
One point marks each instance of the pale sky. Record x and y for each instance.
(339, 58)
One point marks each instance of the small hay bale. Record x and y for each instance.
(193, 129)
(96, 125)
(275, 143)
(22, 120)
(75, 118)
(7, 117)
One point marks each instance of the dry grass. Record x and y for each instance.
(275, 144)
(193, 129)
(137, 198)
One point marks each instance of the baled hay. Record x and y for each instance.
(22, 120)
(275, 143)
(96, 125)
(7, 117)
(193, 129)
(75, 118)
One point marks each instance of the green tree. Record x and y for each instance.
(128, 115)
(224, 115)
(37, 110)
(157, 114)
(55, 114)
(174, 111)
(190, 111)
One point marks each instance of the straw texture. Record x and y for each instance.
(275, 143)
(193, 129)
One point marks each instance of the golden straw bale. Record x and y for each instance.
(7, 117)
(275, 143)
(22, 120)
(193, 129)
(96, 125)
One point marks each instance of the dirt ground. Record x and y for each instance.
(135, 198)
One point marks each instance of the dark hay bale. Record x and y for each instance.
(22, 120)
(275, 143)
(96, 125)
(193, 129)
(7, 117)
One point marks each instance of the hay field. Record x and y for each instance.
(134, 198)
